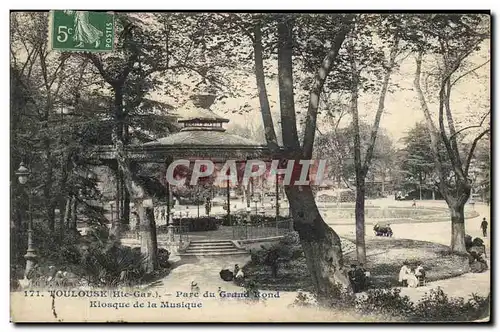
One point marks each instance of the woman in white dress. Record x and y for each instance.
(404, 273)
(412, 280)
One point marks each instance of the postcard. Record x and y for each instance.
(250, 167)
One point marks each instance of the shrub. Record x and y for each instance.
(253, 290)
(437, 306)
(287, 249)
(240, 218)
(385, 301)
(197, 224)
(113, 266)
(305, 299)
(478, 242)
(163, 256)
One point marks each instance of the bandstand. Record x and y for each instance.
(203, 136)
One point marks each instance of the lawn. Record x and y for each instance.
(385, 257)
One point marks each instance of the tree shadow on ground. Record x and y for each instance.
(385, 257)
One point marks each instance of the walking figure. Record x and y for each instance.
(414, 203)
(208, 206)
(484, 227)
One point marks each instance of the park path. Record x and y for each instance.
(461, 286)
(439, 232)
(204, 270)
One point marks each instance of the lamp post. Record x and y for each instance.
(262, 213)
(171, 225)
(23, 174)
(198, 196)
(249, 210)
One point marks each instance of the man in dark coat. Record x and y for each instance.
(484, 227)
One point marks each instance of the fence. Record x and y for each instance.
(181, 233)
(263, 230)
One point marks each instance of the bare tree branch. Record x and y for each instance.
(319, 81)
(449, 118)
(431, 128)
(472, 148)
(265, 109)
(381, 106)
(468, 72)
(455, 160)
(96, 61)
(285, 83)
(474, 126)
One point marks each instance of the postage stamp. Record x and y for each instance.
(81, 31)
(250, 167)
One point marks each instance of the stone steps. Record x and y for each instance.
(212, 248)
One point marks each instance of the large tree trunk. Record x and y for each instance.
(63, 198)
(149, 244)
(456, 204)
(67, 214)
(360, 220)
(73, 219)
(383, 183)
(49, 202)
(116, 226)
(457, 228)
(126, 208)
(51, 215)
(359, 166)
(270, 134)
(320, 243)
(322, 247)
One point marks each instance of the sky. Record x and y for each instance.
(470, 99)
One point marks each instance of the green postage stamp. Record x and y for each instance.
(81, 31)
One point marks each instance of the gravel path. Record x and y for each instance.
(438, 232)
(205, 270)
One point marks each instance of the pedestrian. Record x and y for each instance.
(208, 206)
(240, 275)
(484, 227)
(414, 203)
(420, 274)
(352, 278)
(162, 216)
(194, 287)
(360, 276)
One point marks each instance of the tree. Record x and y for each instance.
(482, 171)
(169, 42)
(337, 146)
(368, 65)
(335, 143)
(451, 39)
(321, 244)
(45, 137)
(384, 159)
(417, 163)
